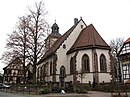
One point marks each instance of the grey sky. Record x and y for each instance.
(111, 18)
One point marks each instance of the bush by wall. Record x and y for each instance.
(45, 90)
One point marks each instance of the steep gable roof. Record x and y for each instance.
(123, 51)
(89, 38)
(16, 61)
(127, 41)
(56, 45)
(59, 42)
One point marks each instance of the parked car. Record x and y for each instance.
(2, 85)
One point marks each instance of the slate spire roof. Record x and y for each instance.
(55, 30)
(89, 38)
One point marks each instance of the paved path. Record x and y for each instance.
(89, 94)
(98, 94)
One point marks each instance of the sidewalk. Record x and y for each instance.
(98, 94)
(89, 94)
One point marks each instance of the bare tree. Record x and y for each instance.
(37, 26)
(27, 41)
(16, 44)
(115, 48)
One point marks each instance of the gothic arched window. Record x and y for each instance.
(85, 63)
(62, 71)
(51, 68)
(103, 65)
(71, 65)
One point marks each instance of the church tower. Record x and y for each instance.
(50, 40)
(55, 29)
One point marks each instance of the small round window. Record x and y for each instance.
(64, 46)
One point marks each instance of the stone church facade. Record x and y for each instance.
(79, 56)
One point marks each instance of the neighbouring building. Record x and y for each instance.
(14, 74)
(79, 56)
(124, 58)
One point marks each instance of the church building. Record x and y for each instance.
(80, 55)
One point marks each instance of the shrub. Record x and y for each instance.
(45, 90)
(80, 90)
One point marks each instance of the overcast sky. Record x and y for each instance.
(111, 18)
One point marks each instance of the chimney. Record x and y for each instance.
(75, 21)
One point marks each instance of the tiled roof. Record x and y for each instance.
(57, 44)
(89, 38)
(123, 52)
(127, 41)
(16, 61)
(127, 82)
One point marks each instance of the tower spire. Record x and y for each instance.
(55, 29)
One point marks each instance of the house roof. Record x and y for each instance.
(127, 41)
(59, 42)
(89, 38)
(124, 52)
(16, 61)
(127, 82)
